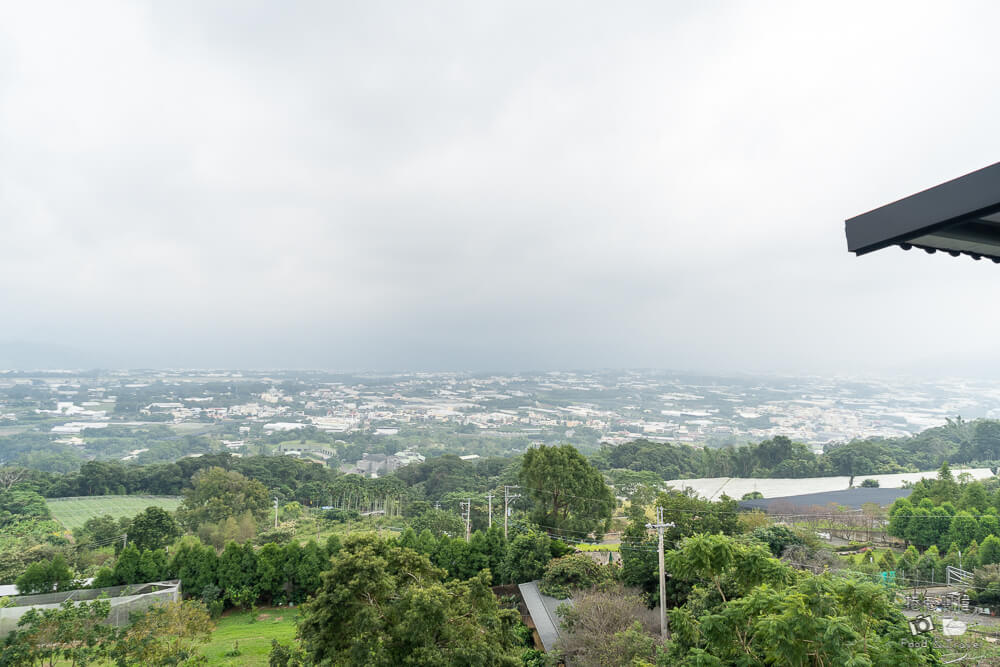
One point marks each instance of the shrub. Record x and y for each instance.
(572, 571)
(777, 538)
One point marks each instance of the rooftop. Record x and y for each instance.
(960, 217)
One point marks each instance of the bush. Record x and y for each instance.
(572, 571)
(337, 515)
(276, 536)
(282, 655)
(777, 538)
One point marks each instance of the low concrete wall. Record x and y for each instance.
(125, 600)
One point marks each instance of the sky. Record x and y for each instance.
(489, 185)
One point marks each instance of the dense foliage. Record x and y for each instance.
(958, 441)
(383, 604)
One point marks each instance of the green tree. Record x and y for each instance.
(45, 577)
(974, 498)
(989, 524)
(270, 572)
(237, 569)
(439, 522)
(527, 555)
(384, 605)
(101, 530)
(963, 529)
(312, 562)
(753, 610)
(217, 494)
(929, 566)
(568, 492)
(900, 514)
(127, 566)
(74, 632)
(153, 528)
(989, 551)
(195, 564)
(573, 571)
(908, 562)
(152, 565)
(167, 634)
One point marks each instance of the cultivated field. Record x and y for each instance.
(73, 512)
(252, 633)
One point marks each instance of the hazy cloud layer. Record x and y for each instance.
(505, 185)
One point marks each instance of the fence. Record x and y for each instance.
(125, 600)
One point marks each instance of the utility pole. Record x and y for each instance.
(275, 512)
(660, 525)
(489, 497)
(124, 541)
(467, 505)
(507, 497)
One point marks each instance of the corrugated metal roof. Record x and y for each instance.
(543, 612)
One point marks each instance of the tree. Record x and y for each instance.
(153, 528)
(777, 538)
(127, 566)
(152, 565)
(218, 494)
(989, 551)
(102, 530)
(385, 605)
(963, 530)
(989, 524)
(900, 515)
(270, 572)
(167, 634)
(568, 492)
(195, 564)
(311, 563)
(45, 577)
(74, 632)
(574, 571)
(921, 528)
(527, 555)
(11, 475)
(761, 612)
(929, 566)
(238, 570)
(974, 498)
(610, 626)
(986, 585)
(439, 522)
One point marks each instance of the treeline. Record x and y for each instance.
(972, 443)
(950, 515)
(288, 477)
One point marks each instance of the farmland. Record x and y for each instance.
(73, 512)
(252, 633)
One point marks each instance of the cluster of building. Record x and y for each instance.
(611, 406)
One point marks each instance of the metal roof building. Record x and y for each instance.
(960, 217)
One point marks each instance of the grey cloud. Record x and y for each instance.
(488, 185)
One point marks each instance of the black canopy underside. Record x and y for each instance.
(960, 217)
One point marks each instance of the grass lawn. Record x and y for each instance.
(73, 512)
(254, 633)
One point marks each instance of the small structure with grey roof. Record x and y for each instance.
(542, 609)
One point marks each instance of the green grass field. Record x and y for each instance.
(253, 632)
(73, 512)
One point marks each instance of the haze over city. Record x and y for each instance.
(515, 186)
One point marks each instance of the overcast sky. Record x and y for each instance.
(490, 186)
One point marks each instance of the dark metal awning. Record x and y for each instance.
(960, 217)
